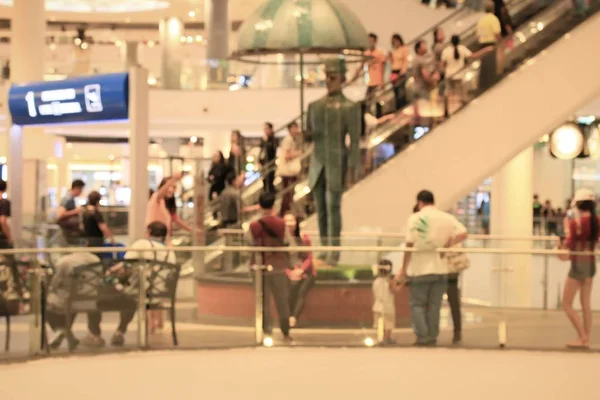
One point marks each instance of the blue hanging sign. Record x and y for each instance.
(85, 99)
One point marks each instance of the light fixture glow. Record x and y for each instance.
(192, 14)
(566, 142)
(194, 139)
(369, 342)
(268, 341)
(593, 142)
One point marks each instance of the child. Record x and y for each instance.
(383, 300)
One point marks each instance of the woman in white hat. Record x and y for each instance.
(582, 232)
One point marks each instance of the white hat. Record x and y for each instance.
(583, 194)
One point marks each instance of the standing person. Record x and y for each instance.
(426, 77)
(303, 273)
(270, 231)
(216, 175)
(438, 46)
(268, 154)
(375, 70)
(229, 202)
(68, 214)
(384, 301)
(237, 153)
(489, 33)
(171, 204)
(6, 238)
(398, 57)
(289, 165)
(507, 27)
(427, 230)
(537, 215)
(550, 218)
(157, 208)
(230, 209)
(582, 232)
(95, 230)
(454, 58)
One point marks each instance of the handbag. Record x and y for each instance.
(288, 168)
(457, 262)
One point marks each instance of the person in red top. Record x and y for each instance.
(581, 234)
(270, 231)
(303, 273)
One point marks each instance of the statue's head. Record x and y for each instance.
(335, 72)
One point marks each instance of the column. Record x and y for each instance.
(129, 54)
(139, 124)
(217, 26)
(28, 148)
(171, 30)
(511, 215)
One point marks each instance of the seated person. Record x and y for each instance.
(156, 235)
(58, 295)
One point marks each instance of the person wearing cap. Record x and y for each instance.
(330, 121)
(428, 230)
(581, 235)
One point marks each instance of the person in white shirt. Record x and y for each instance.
(153, 248)
(455, 58)
(428, 230)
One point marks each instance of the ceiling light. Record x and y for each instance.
(111, 157)
(566, 142)
(199, 38)
(151, 43)
(118, 43)
(194, 139)
(190, 39)
(192, 14)
(182, 39)
(52, 46)
(152, 81)
(77, 41)
(84, 45)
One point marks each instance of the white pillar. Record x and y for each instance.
(171, 30)
(138, 151)
(217, 26)
(129, 54)
(511, 215)
(25, 158)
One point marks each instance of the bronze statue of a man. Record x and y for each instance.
(331, 121)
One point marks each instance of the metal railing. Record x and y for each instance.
(505, 266)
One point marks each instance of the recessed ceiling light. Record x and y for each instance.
(192, 14)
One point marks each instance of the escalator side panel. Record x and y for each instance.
(490, 131)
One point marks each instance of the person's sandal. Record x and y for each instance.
(578, 345)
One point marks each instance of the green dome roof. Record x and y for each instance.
(301, 26)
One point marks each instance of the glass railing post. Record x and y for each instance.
(258, 305)
(545, 278)
(36, 310)
(142, 333)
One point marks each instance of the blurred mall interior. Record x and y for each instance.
(122, 94)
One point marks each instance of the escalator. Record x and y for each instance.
(460, 22)
(552, 75)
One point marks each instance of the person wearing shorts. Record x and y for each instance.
(581, 235)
